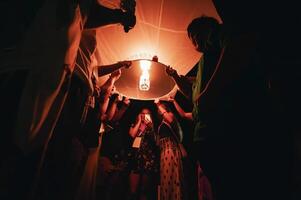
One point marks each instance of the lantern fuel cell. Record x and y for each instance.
(144, 82)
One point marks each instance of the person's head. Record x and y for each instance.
(200, 32)
(165, 113)
(146, 115)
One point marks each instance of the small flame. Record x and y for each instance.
(144, 82)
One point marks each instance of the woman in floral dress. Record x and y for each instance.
(145, 159)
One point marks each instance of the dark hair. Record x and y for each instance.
(165, 106)
(202, 24)
(145, 108)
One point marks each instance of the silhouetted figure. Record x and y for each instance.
(49, 52)
(229, 84)
(113, 159)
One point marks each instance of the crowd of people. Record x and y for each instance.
(68, 140)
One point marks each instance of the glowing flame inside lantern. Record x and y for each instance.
(144, 83)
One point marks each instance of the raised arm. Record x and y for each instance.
(119, 113)
(106, 90)
(183, 83)
(164, 112)
(135, 127)
(115, 98)
(107, 69)
(182, 113)
(101, 16)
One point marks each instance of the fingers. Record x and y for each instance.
(126, 63)
(170, 71)
(126, 101)
(139, 117)
(119, 97)
(156, 100)
(116, 74)
(128, 5)
(148, 123)
(170, 99)
(128, 21)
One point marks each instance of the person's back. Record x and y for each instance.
(222, 107)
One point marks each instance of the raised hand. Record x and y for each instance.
(170, 99)
(157, 100)
(148, 120)
(126, 101)
(140, 118)
(129, 17)
(116, 97)
(128, 5)
(119, 97)
(170, 71)
(125, 63)
(116, 74)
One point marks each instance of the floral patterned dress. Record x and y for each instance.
(145, 158)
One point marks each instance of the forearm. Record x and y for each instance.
(104, 105)
(120, 113)
(134, 130)
(103, 117)
(107, 87)
(183, 84)
(111, 111)
(107, 69)
(104, 100)
(188, 116)
(101, 16)
(181, 112)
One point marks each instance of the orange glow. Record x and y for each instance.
(145, 65)
(144, 82)
(160, 30)
(136, 83)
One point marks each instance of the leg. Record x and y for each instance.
(134, 179)
(145, 188)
